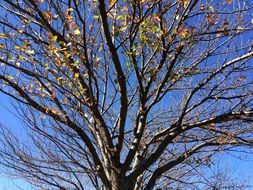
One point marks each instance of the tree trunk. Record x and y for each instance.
(119, 182)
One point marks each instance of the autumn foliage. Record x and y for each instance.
(125, 94)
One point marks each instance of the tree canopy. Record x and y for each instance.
(125, 94)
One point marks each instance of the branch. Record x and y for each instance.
(175, 130)
(120, 77)
(161, 170)
(64, 120)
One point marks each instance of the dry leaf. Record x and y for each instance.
(47, 15)
(183, 33)
(184, 2)
(71, 25)
(229, 1)
(112, 2)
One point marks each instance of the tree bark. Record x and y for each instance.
(119, 181)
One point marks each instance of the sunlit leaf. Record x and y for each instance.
(96, 17)
(18, 47)
(70, 9)
(76, 75)
(10, 77)
(47, 15)
(183, 33)
(20, 31)
(55, 17)
(77, 32)
(3, 35)
(42, 117)
(184, 2)
(30, 52)
(71, 25)
(54, 38)
(112, 2)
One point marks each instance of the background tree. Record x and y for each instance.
(125, 94)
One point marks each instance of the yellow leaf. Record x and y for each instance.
(123, 28)
(30, 51)
(1, 46)
(70, 9)
(9, 77)
(18, 48)
(76, 75)
(54, 38)
(42, 95)
(55, 17)
(20, 31)
(42, 117)
(77, 32)
(68, 55)
(96, 17)
(3, 35)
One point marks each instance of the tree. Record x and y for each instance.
(125, 95)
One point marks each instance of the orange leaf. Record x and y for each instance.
(47, 15)
(112, 2)
(229, 1)
(184, 2)
(69, 18)
(183, 33)
(55, 111)
(65, 100)
(53, 95)
(71, 25)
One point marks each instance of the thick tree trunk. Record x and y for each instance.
(119, 182)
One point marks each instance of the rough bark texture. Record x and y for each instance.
(118, 181)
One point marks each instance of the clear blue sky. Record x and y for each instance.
(11, 121)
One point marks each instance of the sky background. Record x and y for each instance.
(8, 119)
